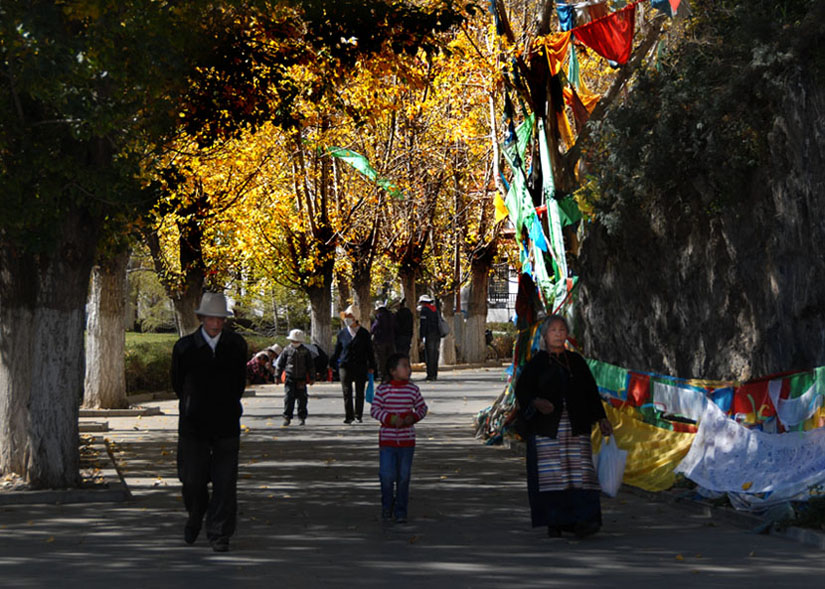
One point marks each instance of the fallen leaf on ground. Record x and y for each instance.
(680, 557)
(746, 486)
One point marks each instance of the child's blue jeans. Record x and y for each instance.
(395, 466)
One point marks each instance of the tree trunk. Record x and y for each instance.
(408, 287)
(475, 347)
(105, 385)
(361, 284)
(320, 300)
(344, 296)
(447, 355)
(185, 304)
(42, 299)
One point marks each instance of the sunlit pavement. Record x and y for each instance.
(309, 516)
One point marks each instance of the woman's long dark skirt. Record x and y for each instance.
(563, 509)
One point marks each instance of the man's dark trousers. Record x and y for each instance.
(202, 459)
(431, 353)
(293, 391)
(352, 379)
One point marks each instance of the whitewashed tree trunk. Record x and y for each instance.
(408, 286)
(185, 304)
(447, 356)
(475, 347)
(105, 385)
(42, 300)
(320, 300)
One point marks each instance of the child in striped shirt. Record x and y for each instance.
(397, 404)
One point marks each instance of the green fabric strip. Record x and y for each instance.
(610, 377)
(362, 164)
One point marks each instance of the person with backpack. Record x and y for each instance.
(430, 331)
(297, 363)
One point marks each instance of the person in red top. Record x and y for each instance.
(398, 405)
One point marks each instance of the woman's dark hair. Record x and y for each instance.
(393, 361)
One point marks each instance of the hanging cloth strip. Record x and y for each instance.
(567, 15)
(556, 235)
(362, 164)
(555, 47)
(611, 36)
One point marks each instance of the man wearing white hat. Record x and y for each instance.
(297, 362)
(355, 360)
(209, 376)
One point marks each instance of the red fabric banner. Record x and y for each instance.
(611, 36)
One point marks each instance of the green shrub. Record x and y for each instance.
(149, 358)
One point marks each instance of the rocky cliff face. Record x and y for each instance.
(702, 262)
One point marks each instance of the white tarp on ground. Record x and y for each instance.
(725, 456)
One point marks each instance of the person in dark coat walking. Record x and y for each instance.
(403, 328)
(209, 376)
(299, 366)
(355, 360)
(430, 332)
(383, 337)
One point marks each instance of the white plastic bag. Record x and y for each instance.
(611, 467)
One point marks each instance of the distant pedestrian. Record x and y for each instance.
(320, 361)
(398, 405)
(383, 337)
(208, 376)
(274, 351)
(430, 332)
(257, 369)
(403, 328)
(297, 364)
(355, 360)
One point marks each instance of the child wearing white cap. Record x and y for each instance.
(296, 361)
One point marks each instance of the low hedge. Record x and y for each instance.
(149, 358)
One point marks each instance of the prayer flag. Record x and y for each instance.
(611, 36)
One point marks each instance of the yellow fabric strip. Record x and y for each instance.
(501, 208)
(556, 46)
(652, 452)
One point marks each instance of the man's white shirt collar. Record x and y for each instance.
(212, 341)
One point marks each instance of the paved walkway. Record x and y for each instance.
(309, 504)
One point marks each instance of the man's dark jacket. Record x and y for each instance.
(403, 322)
(575, 389)
(209, 385)
(383, 328)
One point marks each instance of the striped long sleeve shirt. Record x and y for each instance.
(393, 402)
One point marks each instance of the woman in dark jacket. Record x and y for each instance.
(559, 403)
(355, 360)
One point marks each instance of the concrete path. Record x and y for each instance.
(309, 506)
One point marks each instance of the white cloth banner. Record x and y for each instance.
(726, 456)
(676, 400)
(794, 411)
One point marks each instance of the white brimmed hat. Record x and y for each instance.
(352, 310)
(296, 335)
(276, 349)
(425, 298)
(380, 304)
(213, 304)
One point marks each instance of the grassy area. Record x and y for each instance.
(149, 358)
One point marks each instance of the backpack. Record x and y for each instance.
(443, 326)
